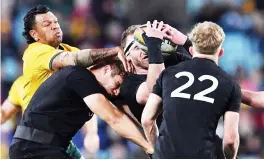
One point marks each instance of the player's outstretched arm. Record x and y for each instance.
(7, 110)
(153, 40)
(231, 136)
(88, 57)
(253, 99)
(177, 37)
(149, 116)
(117, 120)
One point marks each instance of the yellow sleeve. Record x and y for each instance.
(13, 95)
(45, 57)
(69, 48)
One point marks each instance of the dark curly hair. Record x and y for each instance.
(29, 21)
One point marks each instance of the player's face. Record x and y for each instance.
(138, 57)
(47, 29)
(112, 83)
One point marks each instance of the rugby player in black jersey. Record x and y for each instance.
(63, 103)
(133, 89)
(193, 95)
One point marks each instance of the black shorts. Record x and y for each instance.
(24, 149)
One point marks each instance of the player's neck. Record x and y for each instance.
(98, 76)
(139, 70)
(210, 57)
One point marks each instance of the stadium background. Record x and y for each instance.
(99, 23)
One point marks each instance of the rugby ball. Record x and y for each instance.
(166, 46)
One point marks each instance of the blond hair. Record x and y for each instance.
(207, 37)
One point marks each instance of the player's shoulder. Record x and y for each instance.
(75, 71)
(20, 79)
(132, 80)
(69, 48)
(132, 77)
(37, 47)
(170, 69)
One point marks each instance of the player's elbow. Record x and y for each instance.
(146, 123)
(115, 118)
(3, 116)
(231, 139)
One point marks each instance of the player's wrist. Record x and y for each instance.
(154, 49)
(187, 44)
(184, 39)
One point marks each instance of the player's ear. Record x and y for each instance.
(107, 69)
(34, 34)
(191, 50)
(221, 52)
(128, 58)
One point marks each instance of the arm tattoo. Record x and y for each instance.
(88, 57)
(100, 54)
(66, 59)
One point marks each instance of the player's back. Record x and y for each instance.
(195, 95)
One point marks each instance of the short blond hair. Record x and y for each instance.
(207, 37)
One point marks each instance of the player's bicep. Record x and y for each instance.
(101, 106)
(152, 109)
(142, 93)
(231, 121)
(62, 59)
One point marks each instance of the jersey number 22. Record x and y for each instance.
(198, 96)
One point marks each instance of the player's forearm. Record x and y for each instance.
(3, 116)
(151, 131)
(153, 74)
(127, 129)
(254, 99)
(156, 62)
(7, 110)
(83, 58)
(88, 57)
(131, 115)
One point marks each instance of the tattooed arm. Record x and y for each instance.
(87, 57)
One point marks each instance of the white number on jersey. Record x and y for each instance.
(198, 96)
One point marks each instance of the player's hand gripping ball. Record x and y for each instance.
(166, 46)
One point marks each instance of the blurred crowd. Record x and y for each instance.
(100, 23)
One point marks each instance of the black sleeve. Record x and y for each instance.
(157, 89)
(175, 58)
(235, 99)
(129, 87)
(154, 52)
(83, 82)
(187, 45)
(182, 57)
